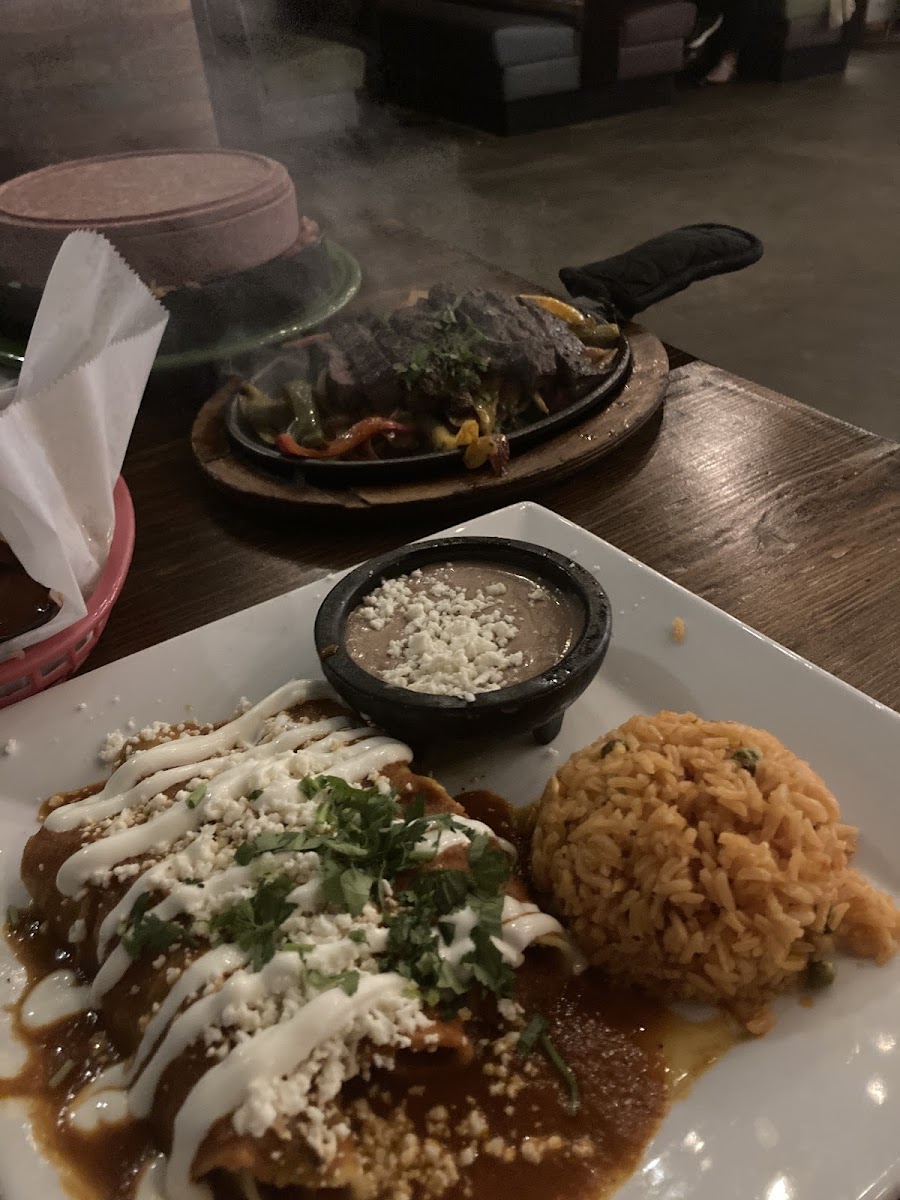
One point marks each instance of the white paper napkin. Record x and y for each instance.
(65, 426)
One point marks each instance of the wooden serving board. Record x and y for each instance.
(550, 462)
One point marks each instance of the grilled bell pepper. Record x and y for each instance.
(357, 435)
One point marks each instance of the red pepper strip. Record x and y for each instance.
(369, 427)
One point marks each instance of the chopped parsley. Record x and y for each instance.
(747, 758)
(534, 1034)
(145, 933)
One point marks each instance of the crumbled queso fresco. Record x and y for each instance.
(266, 868)
(462, 628)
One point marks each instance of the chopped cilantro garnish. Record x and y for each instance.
(535, 1027)
(415, 932)
(196, 795)
(534, 1033)
(255, 794)
(146, 933)
(347, 889)
(347, 981)
(565, 1070)
(361, 836)
(359, 936)
(490, 866)
(364, 841)
(451, 361)
(268, 843)
(253, 924)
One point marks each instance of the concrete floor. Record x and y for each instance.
(812, 168)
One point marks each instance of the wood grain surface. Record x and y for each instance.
(782, 516)
(554, 459)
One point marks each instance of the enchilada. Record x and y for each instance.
(297, 947)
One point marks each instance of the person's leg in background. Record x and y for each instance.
(738, 19)
(708, 23)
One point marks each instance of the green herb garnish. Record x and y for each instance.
(300, 948)
(196, 795)
(255, 794)
(268, 843)
(359, 936)
(565, 1070)
(534, 1033)
(366, 840)
(535, 1027)
(347, 889)
(361, 837)
(417, 930)
(451, 360)
(347, 981)
(253, 924)
(146, 933)
(747, 758)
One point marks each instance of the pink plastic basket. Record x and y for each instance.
(46, 663)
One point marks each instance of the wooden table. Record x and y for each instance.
(782, 516)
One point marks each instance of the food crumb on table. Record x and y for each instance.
(678, 630)
(10, 748)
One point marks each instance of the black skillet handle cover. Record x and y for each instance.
(660, 268)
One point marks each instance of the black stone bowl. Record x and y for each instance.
(537, 704)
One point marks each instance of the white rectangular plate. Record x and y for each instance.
(809, 1112)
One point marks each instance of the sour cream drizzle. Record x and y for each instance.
(56, 996)
(438, 840)
(243, 987)
(352, 764)
(102, 1102)
(182, 752)
(182, 899)
(332, 747)
(195, 978)
(277, 1050)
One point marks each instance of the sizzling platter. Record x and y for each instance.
(455, 380)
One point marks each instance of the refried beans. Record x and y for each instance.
(462, 628)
